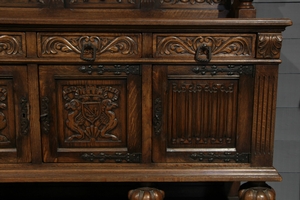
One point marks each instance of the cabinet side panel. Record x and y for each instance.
(264, 107)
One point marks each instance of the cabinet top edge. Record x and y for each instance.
(131, 17)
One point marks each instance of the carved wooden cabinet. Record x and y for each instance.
(138, 91)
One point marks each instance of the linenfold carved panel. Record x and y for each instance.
(269, 45)
(12, 44)
(187, 45)
(202, 112)
(104, 44)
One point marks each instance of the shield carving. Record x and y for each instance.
(91, 111)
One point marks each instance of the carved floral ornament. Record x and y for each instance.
(231, 46)
(124, 45)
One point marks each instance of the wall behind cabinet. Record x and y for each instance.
(287, 132)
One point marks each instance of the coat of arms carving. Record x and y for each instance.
(90, 112)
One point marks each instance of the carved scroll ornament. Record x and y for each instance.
(10, 45)
(229, 46)
(123, 45)
(91, 112)
(269, 45)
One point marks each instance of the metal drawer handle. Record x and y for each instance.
(87, 47)
(203, 51)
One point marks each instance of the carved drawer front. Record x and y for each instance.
(116, 4)
(12, 44)
(90, 113)
(89, 46)
(199, 115)
(204, 47)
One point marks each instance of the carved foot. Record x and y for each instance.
(146, 193)
(256, 191)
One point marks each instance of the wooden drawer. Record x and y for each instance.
(89, 46)
(12, 44)
(203, 47)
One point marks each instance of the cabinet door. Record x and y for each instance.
(91, 113)
(202, 113)
(14, 118)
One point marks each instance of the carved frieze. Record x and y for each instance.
(117, 157)
(3, 120)
(269, 45)
(59, 45)
(90, 112)
(11, 45)
(231, 45)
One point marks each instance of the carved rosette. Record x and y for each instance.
(3, 106)
(269, 45)
(121, 45)
(10, 45)
(91, 112)
(220, 46)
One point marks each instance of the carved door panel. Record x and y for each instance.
(198, 113)
(14, 118)
(91, 113)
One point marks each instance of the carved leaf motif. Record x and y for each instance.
(269, 46)
(219, 45)
(122, 44)
(10, 45)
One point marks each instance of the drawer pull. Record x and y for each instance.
(203, 53)
(87, 48)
